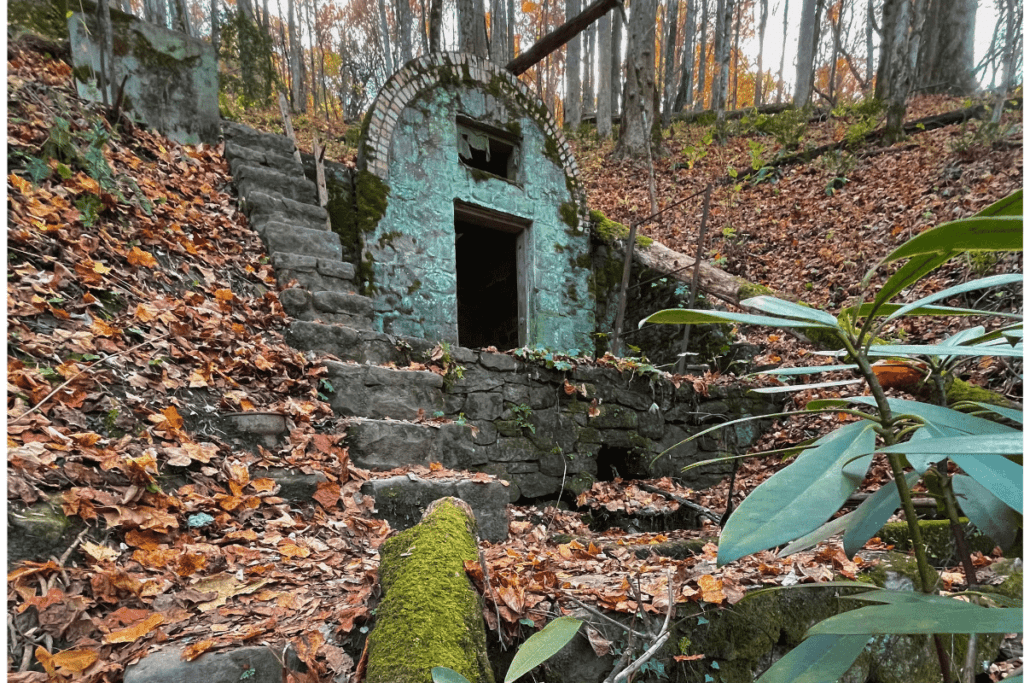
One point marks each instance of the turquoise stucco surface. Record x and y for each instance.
(413, 245)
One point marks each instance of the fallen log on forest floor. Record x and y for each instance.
(430, 614)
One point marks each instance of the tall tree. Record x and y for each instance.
(472, 36)
(782, 59)
(572, 72)
(604, 80)
(638, 102)
(684, 94)
(436, 7)
(215, 26)
(1011, 39)
(589, 69)
(870, 27)
(156, 12)
(894, 68)
(403, 15)
(762, 23)
(946, 62)
(295, 62)
(385, 32)
(615, 62)
(805, 55)
(720, 81)
(180, 19)
(734, 54)
(668, 79)
(703, 69)
(499, 32)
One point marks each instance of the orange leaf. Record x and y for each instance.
(137, 257)
(224, 295)
(146, 313)
(46, 659)
(174, 420)
(75, 661)
(327, 494)
(196, 649)
(436, 467)
(711, 589)
(20, 184)
(135, 631)
(100, 328)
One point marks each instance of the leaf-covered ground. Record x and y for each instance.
(141, 307)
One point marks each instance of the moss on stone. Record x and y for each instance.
(371, 200)
(581, 482)
(936, 536)
(551, 150)
(902, 565)
(45, 18)
(569, 215)
(430, 615)
(342, 215)
(752, 289)
(960, 390)
(606, 229)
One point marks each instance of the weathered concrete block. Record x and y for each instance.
(170, 79)
(615, 417)
(483, 406)
(498, 361)
(295, 300)
(385, 445)
(253, 177)
(251, 664)
(335, 268)
(343, 302)
(296, 487)
(509, 449)
(300, 262)
(243, 135)
(295, 240)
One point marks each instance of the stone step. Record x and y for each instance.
(401, 501)
(257, 202)
(249, 177)
(353, 310)
(241, 134)
(240, 155)
(259, 221)
(312, 273)
(375, 392)
(302, 241)
(359, 345)
(387, 444)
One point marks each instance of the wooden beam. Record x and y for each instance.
(561, 35)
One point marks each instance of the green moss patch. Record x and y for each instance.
(752, 289)
(430, 615)
(608, 230)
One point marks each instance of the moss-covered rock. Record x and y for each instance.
(936, 536)
(430, 615)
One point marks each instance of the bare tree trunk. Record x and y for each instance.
(894, 81)
(837, 27)
(424, 36)
(403, 15)
(761, 25)
(637, 105)
(589, 68)
(499, 33)
(869, 31)
(156, 12)
(947, 64)
(668, 79)
(295, 62)
(470, 27)
(604, 81)
(385, 32)
(181, 21)
(734, 54)
(510, 25)
(312, 33)
(720, 82)
(805, 55)
(435, 25)
(1013, 24)
(214, 27)
(615, 63)
(572, 72)
(684, 95)
(782, 59)
(108, 74)
(703, 70)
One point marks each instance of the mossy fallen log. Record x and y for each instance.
(430, 614)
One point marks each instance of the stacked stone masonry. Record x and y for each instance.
(315, 281)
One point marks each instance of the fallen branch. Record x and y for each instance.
(710, 514)
(659, 642)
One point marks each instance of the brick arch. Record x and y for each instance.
(430, 70)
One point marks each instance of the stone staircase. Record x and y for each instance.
(316, 282)
(384, 406)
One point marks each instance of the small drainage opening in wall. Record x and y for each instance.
(615, 461)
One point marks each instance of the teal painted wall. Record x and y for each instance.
(413, 245)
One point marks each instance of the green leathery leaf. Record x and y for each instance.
(957, 446)
(922, 461)
(1009, 413)
(869, 308)
(968, 424)
(819, 659)
(908, 274)
(870, 515)
(945, 350)
(776, 306)
(539, 647)
(807, 370)
(801, 496)
(983, 233)
(784, 388)
(1010, 205)
(442, 674)
(1002, 477)
(995, 519)
(951, 616)
(683, 316)
(982, 283)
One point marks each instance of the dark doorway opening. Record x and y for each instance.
(487, 286)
